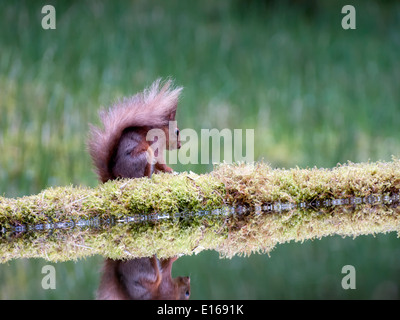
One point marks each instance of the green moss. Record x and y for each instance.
(196, 207)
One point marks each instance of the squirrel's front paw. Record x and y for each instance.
(168, 169)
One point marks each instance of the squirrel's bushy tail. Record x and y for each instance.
(152, 108)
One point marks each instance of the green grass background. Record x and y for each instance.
(314, 93)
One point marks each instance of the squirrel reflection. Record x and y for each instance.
(142, 279)
(123, 150)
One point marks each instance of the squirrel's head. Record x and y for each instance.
(172, 132)
(183, 285)
(166, 137)
(174, 289)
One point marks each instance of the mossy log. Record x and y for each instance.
(236, 210)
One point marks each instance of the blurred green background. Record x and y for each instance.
(314, 93)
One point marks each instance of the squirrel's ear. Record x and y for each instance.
(172, 115)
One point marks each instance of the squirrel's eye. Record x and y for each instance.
(177, 131)
(187, 293)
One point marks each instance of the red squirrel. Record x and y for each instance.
(124, 147)
(135, 134)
